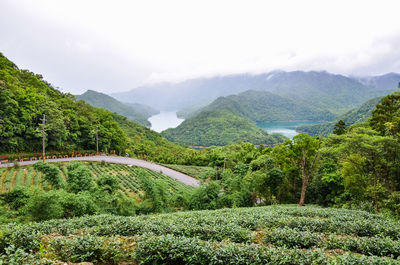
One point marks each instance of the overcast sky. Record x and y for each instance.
(114, 45)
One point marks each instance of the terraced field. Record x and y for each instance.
(198, 172)
(128, 175)
(261, 235)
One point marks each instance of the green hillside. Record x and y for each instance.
(25, 97)
(134, 112)
(351, 117)
(70, 124)
(263, 106)
(219, 127)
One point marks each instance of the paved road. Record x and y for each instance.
(188, 180)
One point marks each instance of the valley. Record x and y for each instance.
(257, 191)
(199, 132)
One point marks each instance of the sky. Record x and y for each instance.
(113, 46)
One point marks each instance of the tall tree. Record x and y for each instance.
(303, 152)
(386, 117)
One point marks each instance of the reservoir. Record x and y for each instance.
(164, 120)
(287, 128)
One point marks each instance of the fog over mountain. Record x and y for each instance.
(381, 82)
(81, 45)
(322, 90)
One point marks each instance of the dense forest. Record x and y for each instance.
(70, 124)
(351, 117)
(219, 127)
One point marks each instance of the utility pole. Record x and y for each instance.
(224, 165)
(43, 136)
(97, 142)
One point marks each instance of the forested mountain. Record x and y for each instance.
(134, 112)
(388, 81)
(70, 124)
(322, 90)
(262, 106)
(351, 117)
(219, 127)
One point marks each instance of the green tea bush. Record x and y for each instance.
(261, 235)
(88, 248)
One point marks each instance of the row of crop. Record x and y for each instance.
(198, 172)
(234, 224)
(292, 238)
(23, 176)
(129, 176)
(173, 184)
(170, 249)
(128, 181)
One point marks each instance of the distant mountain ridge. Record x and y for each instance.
(322, 90)
(133, 112)
(263, 106)
(388, 81)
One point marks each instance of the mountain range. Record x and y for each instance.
(382, 82)
(321, 90)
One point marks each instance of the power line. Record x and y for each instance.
(97, 141)
(43, 137)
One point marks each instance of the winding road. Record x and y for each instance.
(185, 179)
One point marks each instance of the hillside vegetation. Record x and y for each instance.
(219, 128)
(351, 117)
(25, 97)
(70, 124)
(262, 235)
(133, 112)
(263, 106)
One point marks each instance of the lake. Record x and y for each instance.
(164, 120)
(287, 128)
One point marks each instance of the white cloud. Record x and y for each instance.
(116, 45)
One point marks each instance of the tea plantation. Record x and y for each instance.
(261, 235)
(128, 176)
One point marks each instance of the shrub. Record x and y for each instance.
(79, 178)
(108, 183)
(17, 197)
(44, 205)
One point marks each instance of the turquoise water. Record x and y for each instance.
(287, 128)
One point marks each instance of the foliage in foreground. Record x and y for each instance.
(273, 235)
